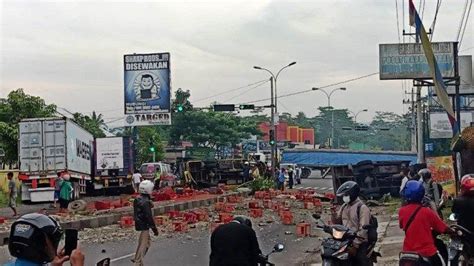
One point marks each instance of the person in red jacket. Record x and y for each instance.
(418, 222)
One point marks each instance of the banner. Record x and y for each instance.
(442, 172)
(440, 128)
(408, 60)
(147, 89)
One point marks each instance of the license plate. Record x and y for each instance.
(44, 181)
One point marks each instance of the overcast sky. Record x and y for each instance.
(70, 52)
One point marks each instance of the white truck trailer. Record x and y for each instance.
(48, 146)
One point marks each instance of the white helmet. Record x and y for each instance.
(145, 187)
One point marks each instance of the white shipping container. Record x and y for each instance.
(109, 153)
(49, 145)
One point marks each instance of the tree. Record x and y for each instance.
(94, 124)
(389, 131)
(323, 124)
(148, 137)
(17, 106)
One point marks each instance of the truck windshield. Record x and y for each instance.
(149, 168)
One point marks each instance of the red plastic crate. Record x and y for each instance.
(174, 214)
(267, 203)
(287, 218)
(126, 221)
(2, 220)
(102, 205)
(161, 220)
(254, 204)
(219, 206)
(259, 194)
(202, 216)
(190, 217)
(225, 217)
(308, 205)
(303, 229)
(180, 226)
(229, 208)
(255, 213)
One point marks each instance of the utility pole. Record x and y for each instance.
(419, 128)
(272, 128)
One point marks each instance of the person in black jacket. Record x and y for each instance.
(464, 204)
(235, 244)
(143, 220)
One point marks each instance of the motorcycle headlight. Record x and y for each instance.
(337, 234)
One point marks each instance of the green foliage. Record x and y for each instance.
(261, 184)
(207, 129)
(17, 106)
(93, 124)
(148, 137)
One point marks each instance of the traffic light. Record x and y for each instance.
(246, 106)
(152, 149)
(224, 107)
(272, 137)
(179, 108)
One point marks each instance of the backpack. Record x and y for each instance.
(372, 235)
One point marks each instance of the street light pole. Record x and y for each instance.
(275, 78)
(274, 99)
(328, 95)
(356, 114)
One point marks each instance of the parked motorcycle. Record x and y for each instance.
(461, 245)
(335, 249)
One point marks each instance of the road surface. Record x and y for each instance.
(192, 248)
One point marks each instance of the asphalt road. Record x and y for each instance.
(193, 248)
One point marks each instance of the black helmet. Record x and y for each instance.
(425, 174)
(243, 220)
(29, 237)
(349, 188)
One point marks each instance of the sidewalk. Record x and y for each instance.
(390, 241)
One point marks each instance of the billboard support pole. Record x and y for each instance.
(419, 127)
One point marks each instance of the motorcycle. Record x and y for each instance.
(461, 246)
(335, 250)
(276, 248)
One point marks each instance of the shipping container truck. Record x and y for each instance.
(113, 162)
(47, 146)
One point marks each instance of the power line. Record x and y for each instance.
(438, 6)
(398, 23)
(423, 12)
(244, 92)
(465, 25)
(326, 86)
(229, 91)
(461, 22)
(403, 19)
(465, 49)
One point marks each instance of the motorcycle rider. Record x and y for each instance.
(143, 215)
(418, 222)
(354, 217)
(235, 244)
(463, 205)
(34, 241)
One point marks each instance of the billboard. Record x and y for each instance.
(109, 153)
(440, 128)
(147, 89)
(442, 172)
(408, 61)
(466, 75)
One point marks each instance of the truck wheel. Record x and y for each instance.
(76, 194)
(77, 206)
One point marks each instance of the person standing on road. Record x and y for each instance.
(281, 179)
(12, 193)
(246, 172)
(235, 244)
(290, 177)
(136, 179)
(405, 178)
(143, 216)
(57, 188)
(298, 175)
(65, 193)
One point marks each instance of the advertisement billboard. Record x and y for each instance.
(442, 172)
(408, 61)
(440, 128)
(466, 75)
(147, 89)
(109, 153)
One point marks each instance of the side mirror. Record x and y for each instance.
(452, 217)
(279, 247)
